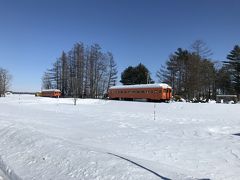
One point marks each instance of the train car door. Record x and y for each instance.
(168, 94)
(164, 94)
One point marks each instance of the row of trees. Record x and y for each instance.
(5, 78)
(193, 75)
(85, 71)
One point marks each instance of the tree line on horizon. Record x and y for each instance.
(86, 71)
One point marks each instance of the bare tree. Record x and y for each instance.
(112, 71)
(82, 72)
(79, 58)
(65, 74)
(47, 81)
(201, 49)
(5, 79)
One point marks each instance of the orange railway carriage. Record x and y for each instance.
(51, 93)
(150, 92)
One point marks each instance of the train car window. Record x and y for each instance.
(152, 91)
(160, 91)
(142, 91)
(155, 91)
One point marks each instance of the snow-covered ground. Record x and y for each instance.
(2, 176)
(44, 138)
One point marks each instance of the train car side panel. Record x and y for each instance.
(51, 93)
(149, 92)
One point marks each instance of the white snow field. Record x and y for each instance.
(47, 138)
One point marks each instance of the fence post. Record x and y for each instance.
(154, 112)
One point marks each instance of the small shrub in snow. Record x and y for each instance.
(178, 98)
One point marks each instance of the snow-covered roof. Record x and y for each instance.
(157, 85)
(50, 90)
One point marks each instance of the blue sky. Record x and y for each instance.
(33, 33)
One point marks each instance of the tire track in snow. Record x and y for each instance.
(235, 155)
(2, 176)
(7, 172)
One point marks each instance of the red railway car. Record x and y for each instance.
(51, 93)
(149, 92)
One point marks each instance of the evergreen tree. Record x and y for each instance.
(234, 67)
(189, 74)
(127, 76)
(223, 80)
(136, 75)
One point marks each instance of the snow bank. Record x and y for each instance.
(35, 156)
(6, 172)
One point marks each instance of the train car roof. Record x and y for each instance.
(51, 90)
(157, 85)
